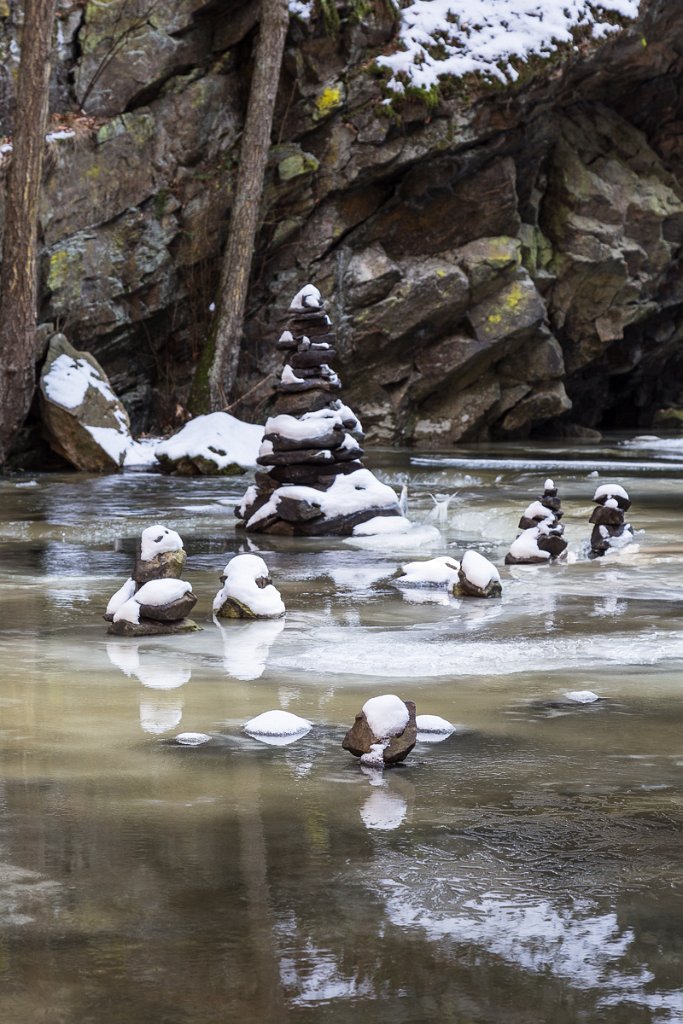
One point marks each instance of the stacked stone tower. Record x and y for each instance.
(541, 538)
(609, 528)
(312, 481)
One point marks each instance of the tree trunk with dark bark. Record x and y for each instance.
(18, 276)
(226, 333)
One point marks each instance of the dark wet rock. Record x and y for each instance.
(359, 740)
(149, 627)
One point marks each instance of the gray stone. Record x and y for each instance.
(146, 627)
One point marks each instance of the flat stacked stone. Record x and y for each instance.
(542, 538)
(609, 527)
(154, 600)
(312, 479)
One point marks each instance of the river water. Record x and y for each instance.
(529, 868)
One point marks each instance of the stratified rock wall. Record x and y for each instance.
(506, 261)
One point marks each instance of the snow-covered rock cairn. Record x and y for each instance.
(313, 481)
(541, 538)
(384, 731)
(247, 591)
(154, 600)
(609, 528)
(477, 577)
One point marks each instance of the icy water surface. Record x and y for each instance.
(529, 868)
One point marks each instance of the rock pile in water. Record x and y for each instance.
(247, 591)
(384, 731)
(154, 600)
(609, 528)
(313, 481)
(541, 538)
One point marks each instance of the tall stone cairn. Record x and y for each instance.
(312, 481)
(607, 519)
(542, 538)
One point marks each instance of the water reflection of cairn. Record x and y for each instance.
(313, 481)
(609, 528)
(154, 600)
(541, 538)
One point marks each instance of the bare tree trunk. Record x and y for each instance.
(226, 333)
(18, 276)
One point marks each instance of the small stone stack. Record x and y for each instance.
(154, 601)
(313, 481)
(542, 538)
(609, 528)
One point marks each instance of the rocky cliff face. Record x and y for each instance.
(506, 261)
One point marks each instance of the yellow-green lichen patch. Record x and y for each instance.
(329, 100)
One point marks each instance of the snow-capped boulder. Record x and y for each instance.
(214, 445)
(477, 577)
(384, 731)
(160, 555)
(247, 591)
(441, 571)
(84, 421)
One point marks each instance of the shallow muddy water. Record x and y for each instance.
(529, 868)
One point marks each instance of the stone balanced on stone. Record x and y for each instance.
(609, 528)
(154, 600)
(247, 591)
(541, 539)
(313, 481)
(384, 731)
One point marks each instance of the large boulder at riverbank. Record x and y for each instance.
(84, 421)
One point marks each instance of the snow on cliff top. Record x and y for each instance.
(466, 36)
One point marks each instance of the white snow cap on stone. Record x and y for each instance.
(308, 298)
(277, 723)
(121, 596)
(286, 336)
(68, 380)
(386, 715)
(309, 426)
(535, 509)
(155, 594)
(611, 490)
(478, 570)
(207, 437)
(156, 540)
(549, 485)
(526, 545)
(160, 592)
(437, 571)
(289, 377)
(241, 574)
